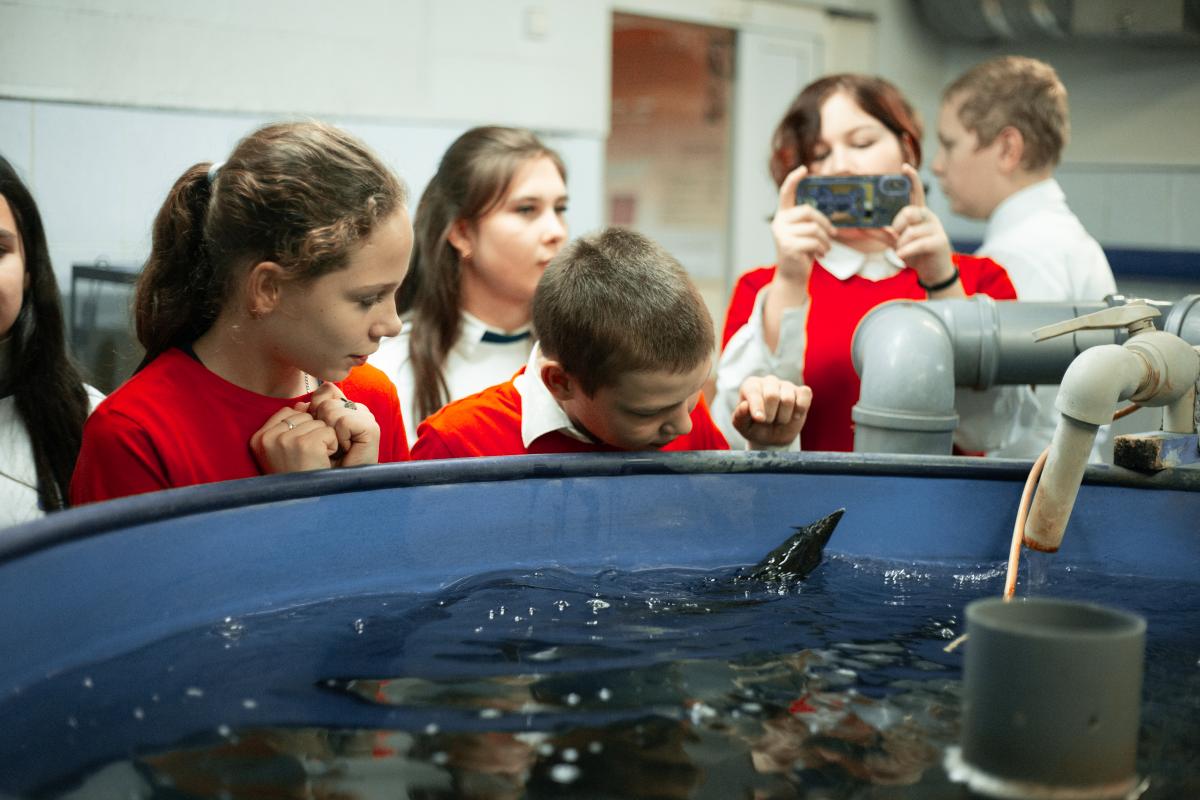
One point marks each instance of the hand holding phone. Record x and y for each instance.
(856, 201)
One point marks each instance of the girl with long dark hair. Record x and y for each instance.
(43, 400)
(487, 225)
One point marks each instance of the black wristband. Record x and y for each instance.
(937, 287)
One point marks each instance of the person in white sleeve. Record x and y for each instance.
(43, 399)
(1002, 128)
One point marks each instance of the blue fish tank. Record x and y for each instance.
(566, 626)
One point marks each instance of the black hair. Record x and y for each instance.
(46, 385)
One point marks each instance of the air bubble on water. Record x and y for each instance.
(531, 610)
(490, 713)
(491, 613)
(518, 618)
(561, 605)
(545, 749)
(432, 728)
(479, 629)
(87, 682)
(359, 625)
(570, 754)
(231, 629)
(440, 758)
(604, 694)
(595, 748)
(224, 730)
(597, 604)
(564, 773)
(194, 691)
(502, 611)
(154, 697)
(250, 703)
(592, 622)
(72, 722)
(138, 713)
(572, 699)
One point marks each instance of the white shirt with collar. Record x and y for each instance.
(481, 357)
(1049, 257)
(540, 412)
(985, 417)
(18, 473)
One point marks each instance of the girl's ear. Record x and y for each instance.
(264, 286)
(560, 383)
(460, 238)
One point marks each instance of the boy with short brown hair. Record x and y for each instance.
(1002, 129)
(625, 345)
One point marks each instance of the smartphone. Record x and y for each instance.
(856, 201)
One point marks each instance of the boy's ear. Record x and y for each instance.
(1011, 149)
(264, 286)
(560, 383)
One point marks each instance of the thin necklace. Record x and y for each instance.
(307, 388)
(15, 479)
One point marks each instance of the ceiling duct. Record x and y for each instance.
(997, 21)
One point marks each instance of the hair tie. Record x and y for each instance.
(213, 170)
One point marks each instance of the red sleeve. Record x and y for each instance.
(116, 459)
(741, 303)
(430, 445)
(983, 276)
(371, 386)
(713, 439)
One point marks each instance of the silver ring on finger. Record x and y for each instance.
(291, 425)
(350, 404)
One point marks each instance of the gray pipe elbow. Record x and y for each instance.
(904, 354)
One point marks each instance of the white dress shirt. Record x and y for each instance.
(985, 417)
(481, 357)
(1049, 257)
(540, 412)
(18, 473)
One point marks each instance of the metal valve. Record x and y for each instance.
(1135, 317)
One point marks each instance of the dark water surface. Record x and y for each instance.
(654, 684)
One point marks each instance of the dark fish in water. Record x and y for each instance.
(796, 557)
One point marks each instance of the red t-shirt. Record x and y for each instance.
(835, 309)
(489, 424)
(175, 423)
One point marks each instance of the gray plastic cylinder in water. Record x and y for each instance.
(1052, 697)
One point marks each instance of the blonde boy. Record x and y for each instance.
(1001, 132)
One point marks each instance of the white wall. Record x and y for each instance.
(1132, 169)
(103, 103)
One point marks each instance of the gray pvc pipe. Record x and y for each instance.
(911, 354)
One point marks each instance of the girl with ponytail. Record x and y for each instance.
(43, 400)
(271, 278)
(488, 223)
